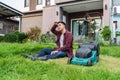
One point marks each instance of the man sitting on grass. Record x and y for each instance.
(64, 43)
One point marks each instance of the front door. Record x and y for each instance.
(79, 28)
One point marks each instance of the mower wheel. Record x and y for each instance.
(97, 58)
(89, 63)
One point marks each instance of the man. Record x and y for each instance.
(91, 24)
(64, 43)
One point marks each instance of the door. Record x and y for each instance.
(79, 28)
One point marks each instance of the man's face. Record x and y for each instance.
(60, 27)
(89, 19)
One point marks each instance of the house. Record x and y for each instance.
(33, 13)
(116, 20)
(43, 13)
(8, 22)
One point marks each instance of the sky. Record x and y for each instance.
(13, 3)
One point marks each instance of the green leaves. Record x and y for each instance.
(106, 33)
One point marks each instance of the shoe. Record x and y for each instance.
(35, 55)
(43, 58)
(29, 56)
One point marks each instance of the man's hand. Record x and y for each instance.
(53, 52)
(56, 23)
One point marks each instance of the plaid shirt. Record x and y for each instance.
(67, 42)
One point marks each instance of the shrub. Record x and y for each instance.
(21, 37)
(15, 37)
(117, 33)
(10, 37)
(1, 38)
(34, 33)
(47, 38)
(106, 33)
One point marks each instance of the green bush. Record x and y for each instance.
(20, 36)
(1, 38)
(117, 33)
(15, 37)
(47, 38)
(10, 37)
(106, 33)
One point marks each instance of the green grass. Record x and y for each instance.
(111, 51)
(14, 67)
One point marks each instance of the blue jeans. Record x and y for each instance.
(47, 52)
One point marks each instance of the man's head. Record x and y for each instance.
(89, 19)
(61, 26)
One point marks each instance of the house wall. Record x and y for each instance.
(116, 2)
(8, 26)
(33, 4)
(117, 18)
(50, 15)
(33, 17)
(24, 9)
(107, 8)
(31, 20)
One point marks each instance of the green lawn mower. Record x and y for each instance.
(87, 54)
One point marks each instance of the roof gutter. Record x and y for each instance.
(10, 8)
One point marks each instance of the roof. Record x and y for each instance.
(7, 11)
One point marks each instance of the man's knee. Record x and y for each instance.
(61, 54)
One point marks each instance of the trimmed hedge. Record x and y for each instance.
(15, 37)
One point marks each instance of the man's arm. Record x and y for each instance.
(53, 29)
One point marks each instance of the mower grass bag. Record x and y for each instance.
(83, 53)
(87, 54)
(93, 45)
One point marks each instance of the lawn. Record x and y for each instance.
(14, 67)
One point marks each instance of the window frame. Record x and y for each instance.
(47, 3)
(26, 4)
(39, 3)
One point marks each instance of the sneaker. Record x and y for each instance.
(43, 58)
(28, 56)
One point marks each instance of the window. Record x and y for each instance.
(116, 26)
(39, 2)
(47, 2)
(26, 3)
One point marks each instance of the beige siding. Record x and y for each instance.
(49, 17)
(31, 21)
(106, 12)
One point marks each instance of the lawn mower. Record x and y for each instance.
(87, 54)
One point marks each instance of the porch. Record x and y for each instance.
(74, 14)
(10, 19)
